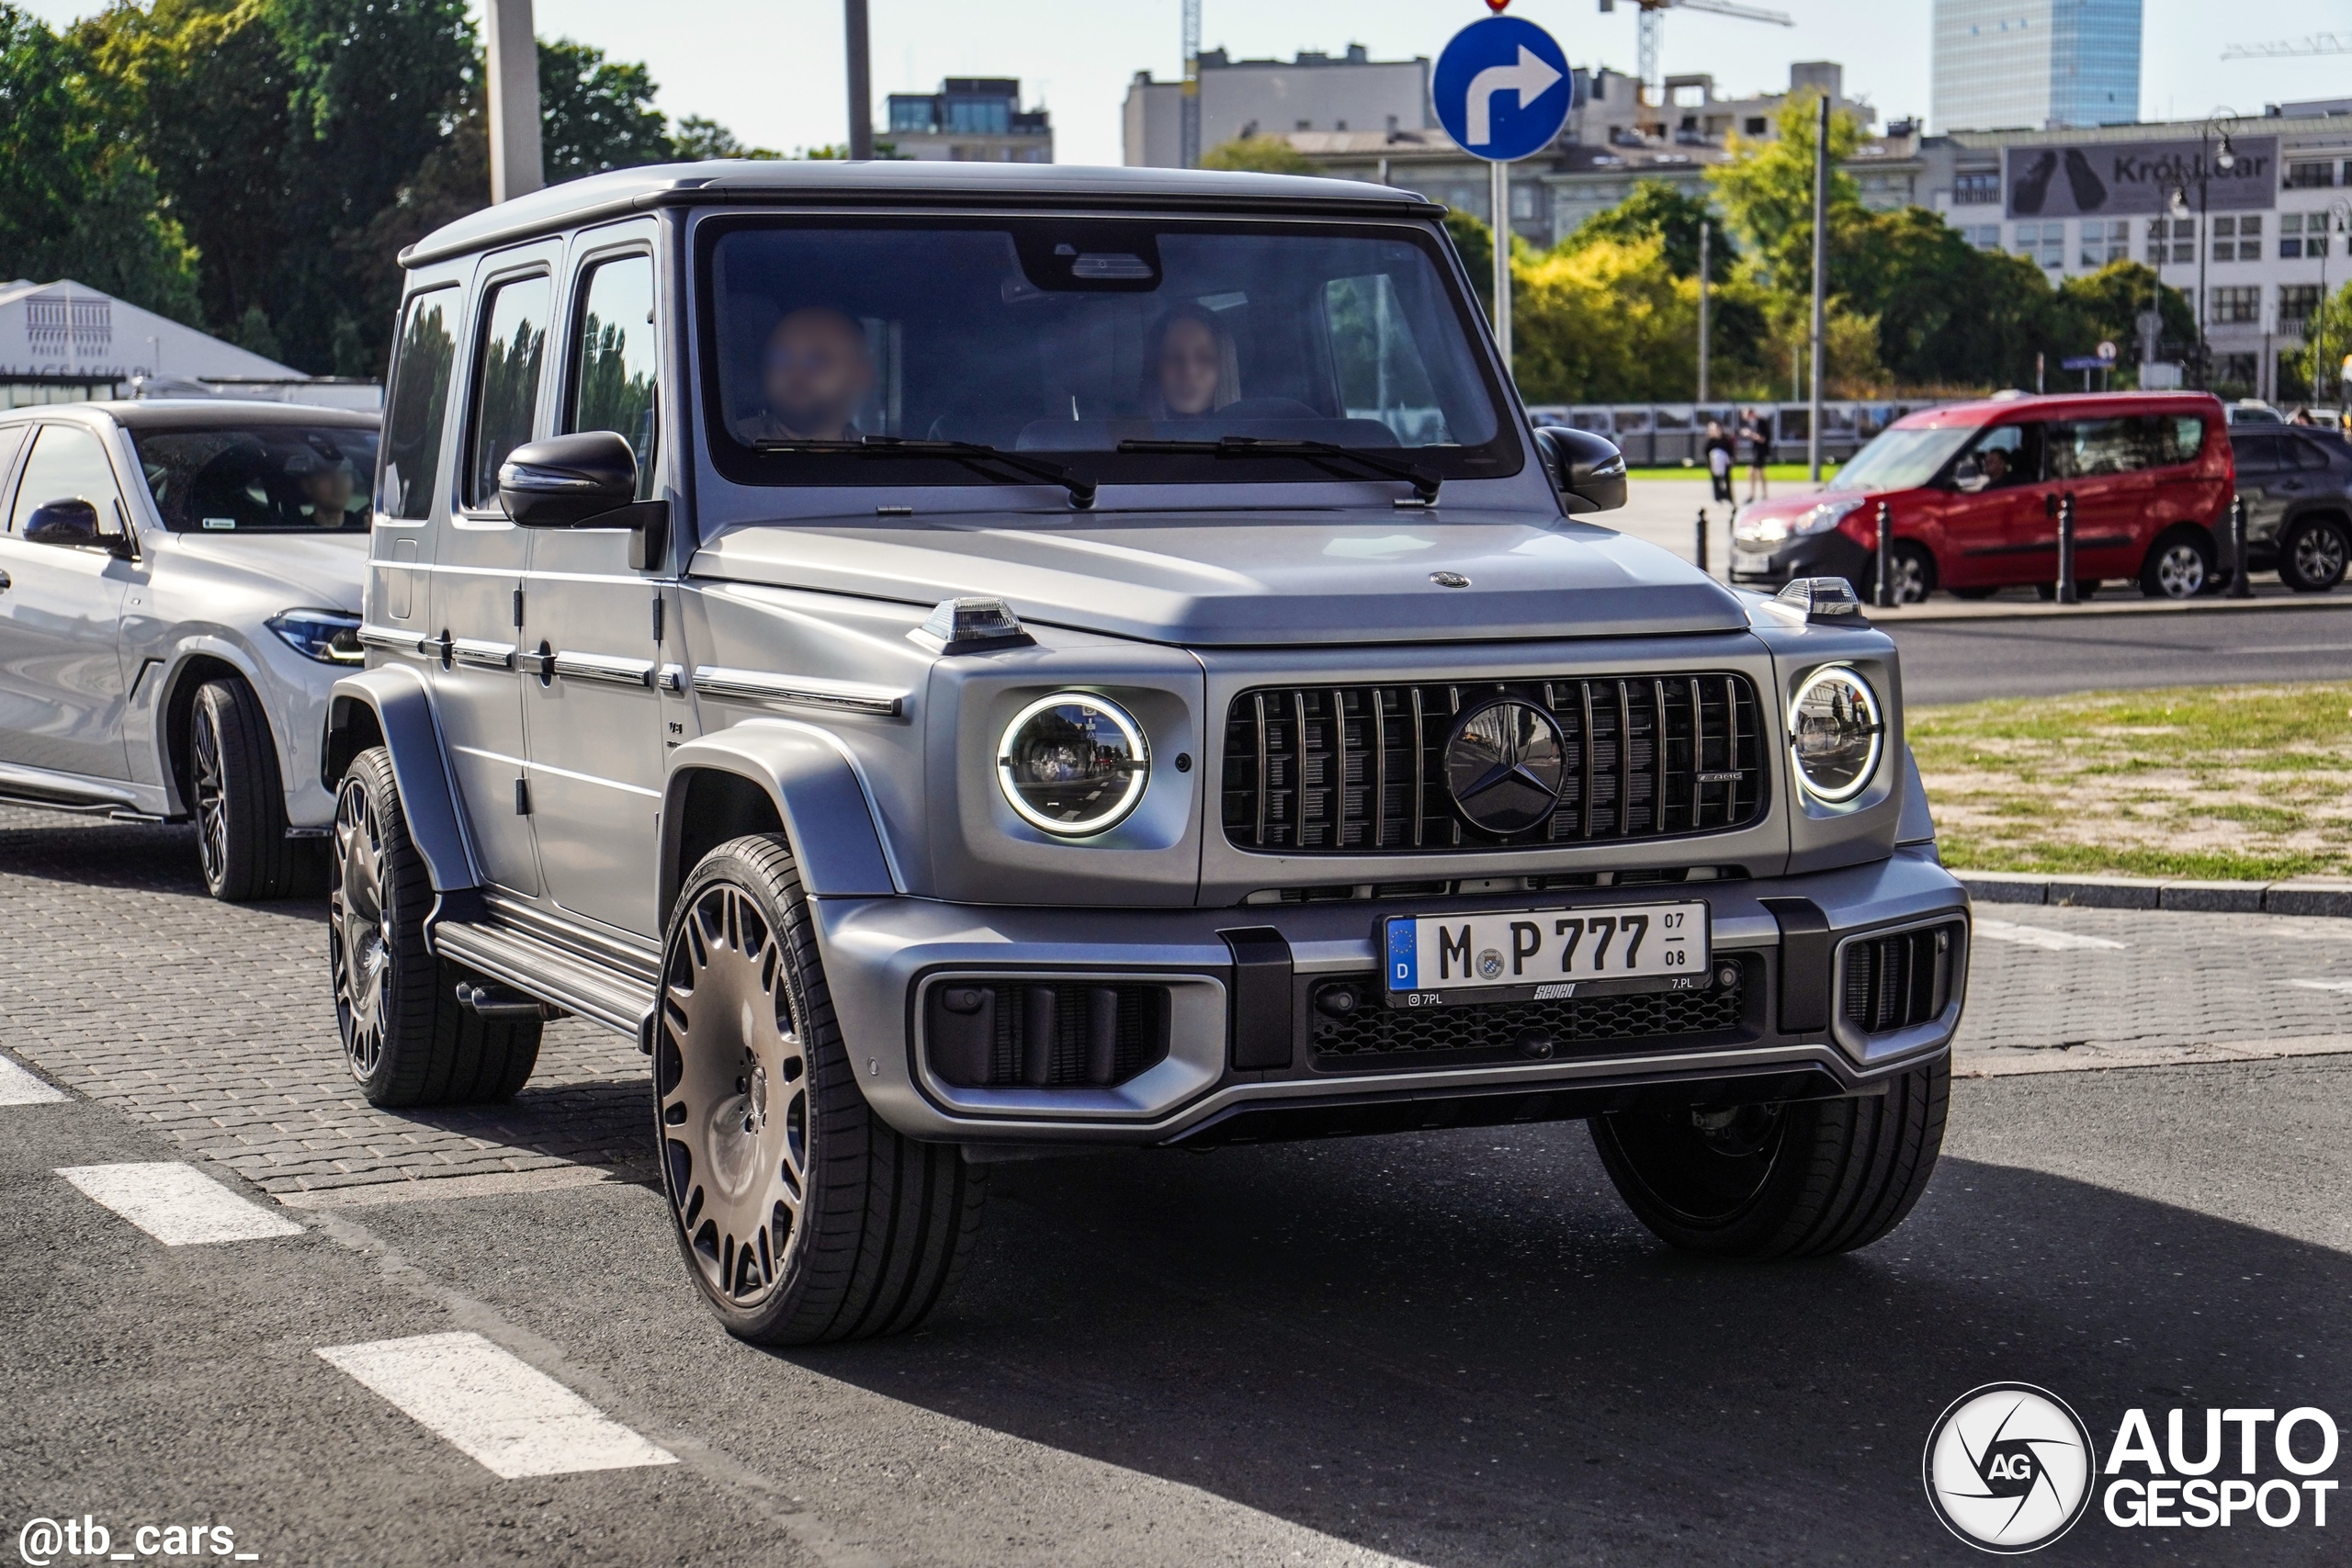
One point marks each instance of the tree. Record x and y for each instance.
(694, 138)
(1607, 322)
(2107, 306)
(596, 114)
(76, 198)
(1766, 190)
(1657, 209)
(1475, 242)
(1259, 154)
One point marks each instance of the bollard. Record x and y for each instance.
(1702, 539)
(2066, 550)
(2241, 579)
(1884, 598)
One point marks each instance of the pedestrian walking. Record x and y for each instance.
(1756, 434)
(1718, 451)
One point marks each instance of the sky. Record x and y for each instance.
(770, 70)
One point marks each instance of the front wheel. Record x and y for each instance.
(2314, 557)
(2179, 566)
(237, 799)
(1801, 1180)
(1911, 572)
(800, 1214)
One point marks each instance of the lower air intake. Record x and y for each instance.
(1000, 1033)
(1895, 982)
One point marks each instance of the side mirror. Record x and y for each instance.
(71, 521)
(568, 481)
(1968, 475)
(1586, 470)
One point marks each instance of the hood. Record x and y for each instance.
(314, 571)
(1209, 580)
(1796, 505)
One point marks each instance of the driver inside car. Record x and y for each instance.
(815, 371)
(1191, 368)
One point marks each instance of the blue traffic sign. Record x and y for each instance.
(1503, 89)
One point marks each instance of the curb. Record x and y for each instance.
(2326, 895)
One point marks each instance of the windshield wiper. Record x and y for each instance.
(1325, 455)
(973, 455)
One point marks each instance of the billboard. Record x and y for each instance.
(2125, 178)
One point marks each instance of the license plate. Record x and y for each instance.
(1542, 954)
(1745, 561)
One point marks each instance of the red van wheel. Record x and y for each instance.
(2179, 566)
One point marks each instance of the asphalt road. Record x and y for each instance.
(1449, 1348)
(1960, 662)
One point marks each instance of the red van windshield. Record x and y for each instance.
(1903, 457)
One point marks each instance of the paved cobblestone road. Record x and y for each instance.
(129, 985)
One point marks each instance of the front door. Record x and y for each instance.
(478, 573)
(1996, 522)
(593, 713)
(61, 614)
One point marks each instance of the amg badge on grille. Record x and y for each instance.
(1504, 764)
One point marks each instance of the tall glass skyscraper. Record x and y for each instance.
(2001, 64)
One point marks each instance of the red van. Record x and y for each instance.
(1975, 491)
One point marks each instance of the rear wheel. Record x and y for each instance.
(406, 1038)
(801, 1215)
(2179, 566)
(2314, 556)
(1801, 1179)
(237, 798)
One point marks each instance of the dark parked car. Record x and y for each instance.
(2298, 489)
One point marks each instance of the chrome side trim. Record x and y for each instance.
(604, 667)
(482, 655)
(799, 691)
(389, 637)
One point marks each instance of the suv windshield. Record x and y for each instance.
(1071, 337)
(1903, 458)
(266, 479)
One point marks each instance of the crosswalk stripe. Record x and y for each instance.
(18, 1087)
(178, 1204)
(506, 1415)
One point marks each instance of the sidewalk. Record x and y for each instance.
(1665, 513)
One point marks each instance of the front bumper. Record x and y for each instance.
(1810, 555)
(1789, 936)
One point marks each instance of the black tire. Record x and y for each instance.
(405, 1037)
(1803, 1180)
(238, 799)
(2313, 556)
(2180, 565)
(801, 1215)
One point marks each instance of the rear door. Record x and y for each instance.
(594, 716)
(479, 562)
(60, 617)
(2262, 465)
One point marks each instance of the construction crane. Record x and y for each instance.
(2288, 49)
(1653, 23)
(1189, 137)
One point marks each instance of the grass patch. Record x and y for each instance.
(2196, 781)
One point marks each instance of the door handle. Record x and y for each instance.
(6, 582)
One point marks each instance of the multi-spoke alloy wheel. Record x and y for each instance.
(355, 930)
(733, 1087)
(801, 1215)
(2315, 558)
(235, 796)
(2179, 566)
(212, 808)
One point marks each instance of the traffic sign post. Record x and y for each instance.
(1503, 90)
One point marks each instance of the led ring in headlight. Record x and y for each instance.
(1835, 733)
(1073, 764)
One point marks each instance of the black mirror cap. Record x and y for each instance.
(71, 521)
(1586, 470)
(566, 480)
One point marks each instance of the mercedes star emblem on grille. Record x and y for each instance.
(1504, 764)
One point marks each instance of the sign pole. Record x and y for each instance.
(1501, 201)
(515, 155)
(1704, 227)
(1820, 278)
(861, 80)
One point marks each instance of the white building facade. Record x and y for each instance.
(1316, 93)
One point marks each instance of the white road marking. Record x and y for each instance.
(2044, 936)
(508, 1416)
(18, 1087)
(2323, 985)
(178, 1204)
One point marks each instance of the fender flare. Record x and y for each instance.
(1914, 825)
(814, 784)
(171, 676)
(403, 711)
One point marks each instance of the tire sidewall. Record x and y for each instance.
(1747, 1233)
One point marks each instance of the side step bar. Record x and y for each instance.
(548, 973)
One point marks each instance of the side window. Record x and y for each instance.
(2184, 437)
(2307, 454)
(419, 408)
(68, 465)
(12, 441)
(506, 383)
(613, 362)
(2258, 453)
(2089, 448)
(2003, 455)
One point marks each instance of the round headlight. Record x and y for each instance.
(1835, 732)
(1073, 764)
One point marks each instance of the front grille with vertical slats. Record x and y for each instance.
(1360, 769)
(1894, 982)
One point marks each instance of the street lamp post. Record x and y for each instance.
(2337, 221)
(2217, 126)
(1820, 278)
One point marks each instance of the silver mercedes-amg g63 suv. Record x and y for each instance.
(965, 662)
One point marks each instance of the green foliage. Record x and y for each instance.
(1475, 242)
(697, 138)
(1766, 190)
(77, 199)
(1607, 322)
(1260, 154)
(596, 114)
(1657, 210)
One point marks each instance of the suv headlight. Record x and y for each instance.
(331, 637)
(1835, 732)
(1073, 764)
